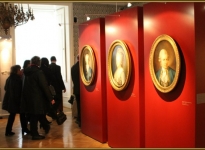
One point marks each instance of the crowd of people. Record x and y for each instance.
(27, 93)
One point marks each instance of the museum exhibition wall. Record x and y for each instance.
(93, 94)
(125, 106)
(171, 116)
(151, 74)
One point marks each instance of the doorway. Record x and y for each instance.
(48, 35)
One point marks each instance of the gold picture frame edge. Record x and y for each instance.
(85, 82)
(127, 56)
(151, 65)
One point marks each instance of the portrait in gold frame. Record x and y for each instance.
(87, 65)
(119, 65)
(164, 63)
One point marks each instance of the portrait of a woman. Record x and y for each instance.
(87, 69)
(119, 75)
(119, 65)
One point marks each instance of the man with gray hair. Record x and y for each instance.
(36, 95)
(165, 75)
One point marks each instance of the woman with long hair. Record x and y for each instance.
(12, 100)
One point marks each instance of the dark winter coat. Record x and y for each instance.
(36, 94)
(12, 97)
(75, 75)
(56, 70)
(48, 74)
(49, 78)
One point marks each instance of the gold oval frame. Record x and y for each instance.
(87, 50)
(175, 61)
(126, 63)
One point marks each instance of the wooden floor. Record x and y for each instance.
(67, 135)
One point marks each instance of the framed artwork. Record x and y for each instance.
(119, 65)
(87, 65)
(164, 63)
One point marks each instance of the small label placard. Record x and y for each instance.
(186, 103)
(200, 98)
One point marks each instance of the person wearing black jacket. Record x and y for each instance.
(58, 83)
(25, 65)
(49, 78)
(75, 75)
(12, 100)
(35, 97)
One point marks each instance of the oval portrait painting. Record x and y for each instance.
(87, 65)
(164, 63)
(119, 65)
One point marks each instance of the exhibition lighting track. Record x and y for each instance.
(100, 15)
(88, 18)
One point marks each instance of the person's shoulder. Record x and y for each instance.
(158, 71)
(172, 70)
(75, 66)
(55, 65)
(52, 64)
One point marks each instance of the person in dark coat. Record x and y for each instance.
(49, 78)
(58, 83)
(35, 97)
(12, 100)
(25, 65)
(75, 75)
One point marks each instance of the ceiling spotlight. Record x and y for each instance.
(88, 18)
(129, 4)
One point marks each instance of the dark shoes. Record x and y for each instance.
(9, 133)
(47, 129)
(27, 131)
(38, 137)
(71, 99)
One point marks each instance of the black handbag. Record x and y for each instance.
(61, 118)
(52, 90)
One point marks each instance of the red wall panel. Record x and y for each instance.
(93, 97)
(126, 108)
(170, 117)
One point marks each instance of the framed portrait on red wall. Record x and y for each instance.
(164, 63)
(119, 65)
(87, 65)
